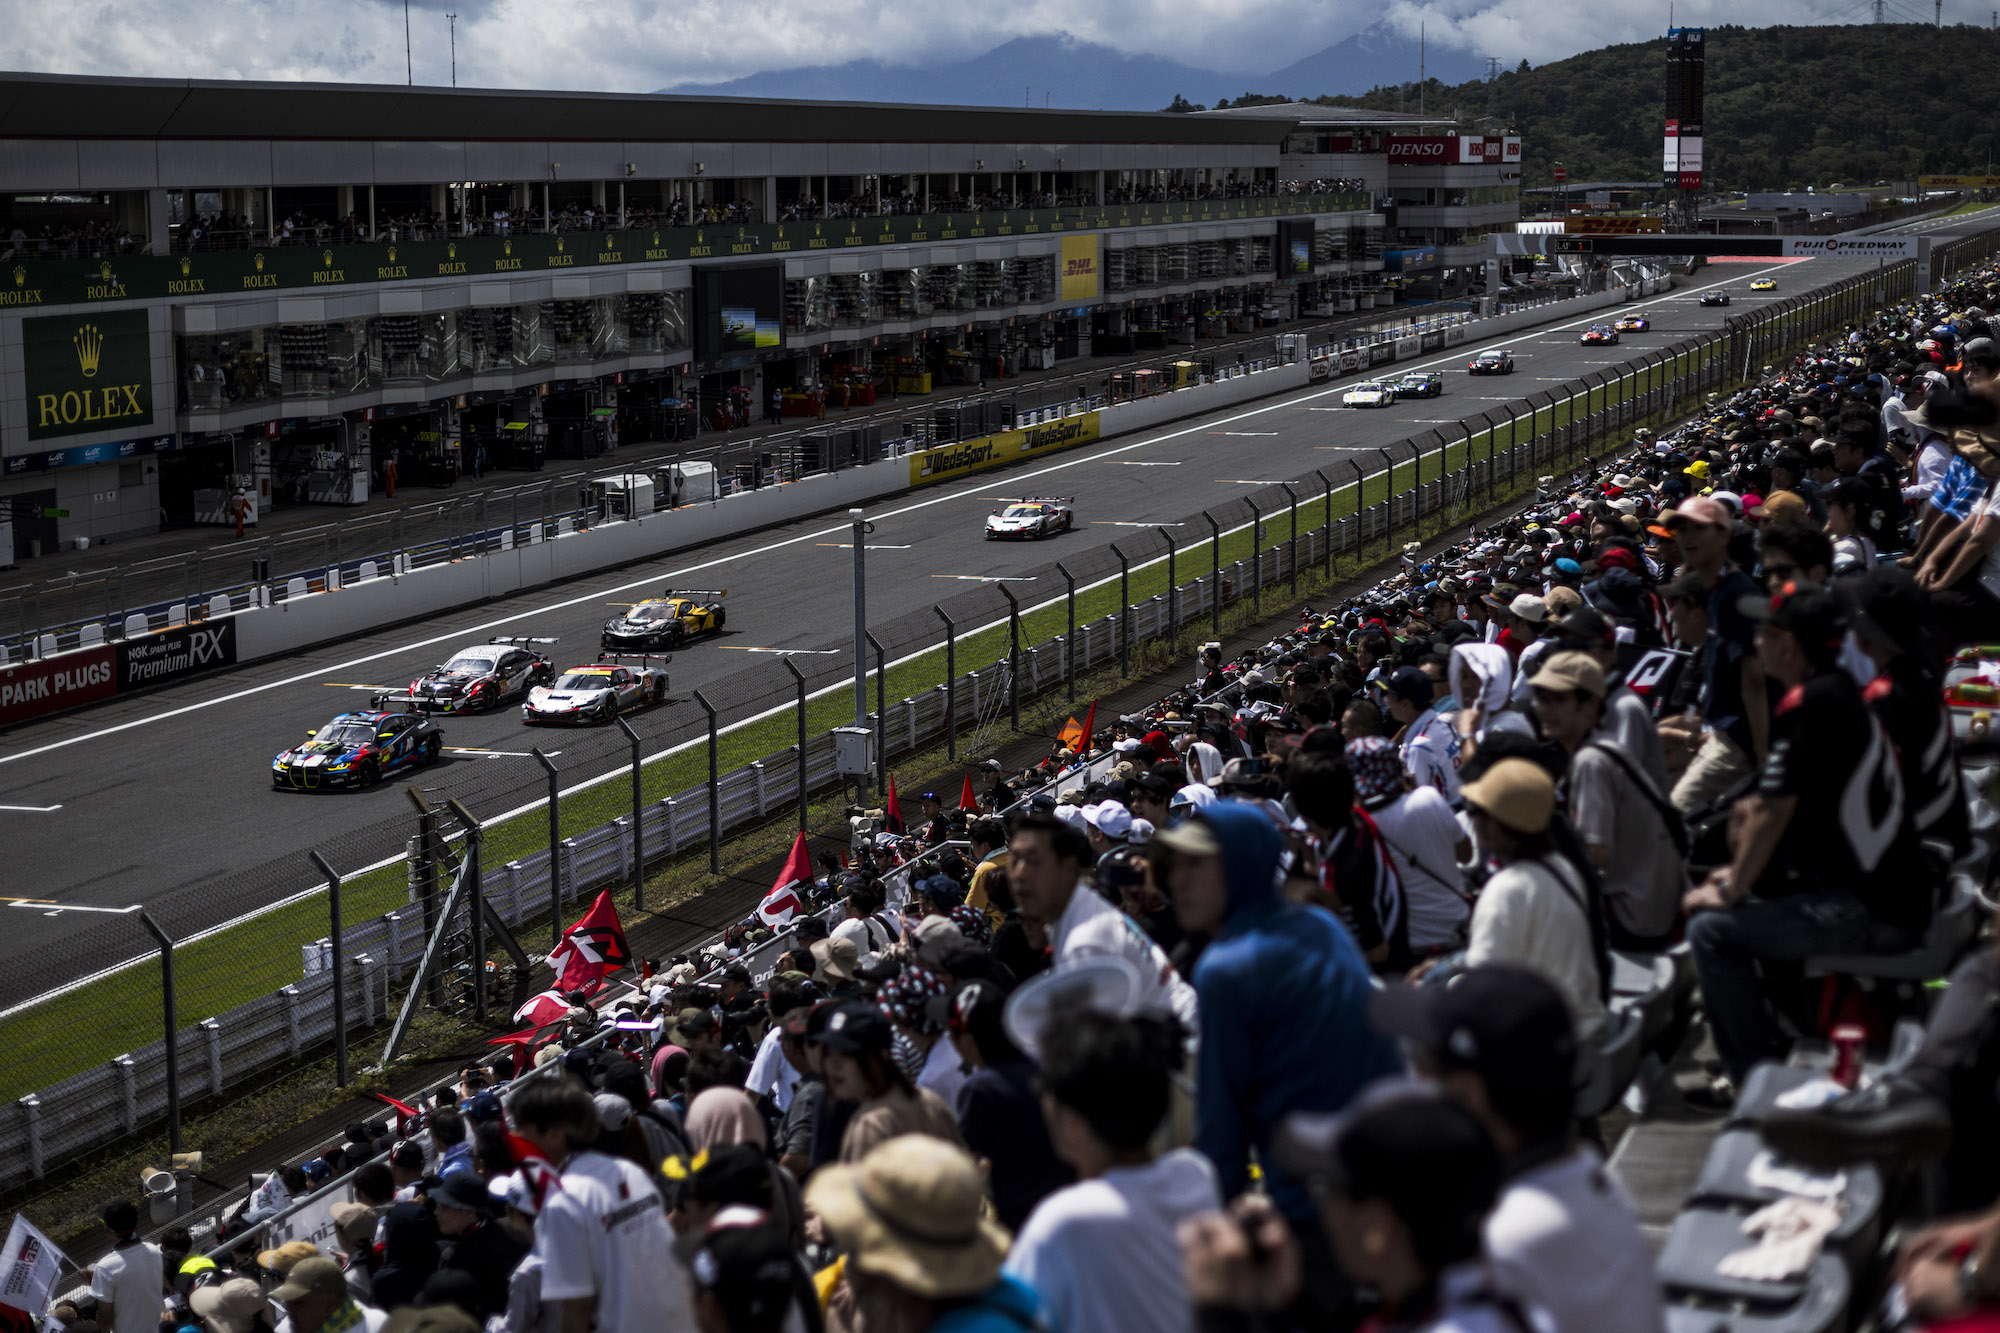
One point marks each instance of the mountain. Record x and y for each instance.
(1784, 106)
(1035, 71)
(1063, 72)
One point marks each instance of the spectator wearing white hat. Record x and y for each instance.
(1107, 824)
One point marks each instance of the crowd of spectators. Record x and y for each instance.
(68, 240)
(1340, 914)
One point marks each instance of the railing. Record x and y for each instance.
(1255, 543)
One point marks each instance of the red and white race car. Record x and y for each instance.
(477, 678)
(599, 691)
(1030, 518)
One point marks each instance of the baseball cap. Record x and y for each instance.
(1529, 607)
(1190, 837)
(1571, 671)
(851, 1028)
(1110, 818)
(1518, 793)
(1886, 608)
(1806, 611)
(316, 1276)
(1704, 510)
(1408, 682)
(229, 1307)
(462, 1189)
(281, 1259)
(1582, 625)
(1506, 1023)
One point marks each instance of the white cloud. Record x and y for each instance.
(638, 45)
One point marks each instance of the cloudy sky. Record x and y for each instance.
(641, 45)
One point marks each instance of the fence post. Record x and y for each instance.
(881, 719)
(336, 959)
(639, 817)
(1292, 559)
(1013, 655)
(1215, 592)
(950, 683)
(1124, 612)
(555, 845)
(1326, 554)
(1256, 557)
(714, 786)
(172, 1026)
(475, 903)
(1173, 584)
(799, 678)
(1069, 638)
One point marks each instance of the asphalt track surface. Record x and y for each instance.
(117, 804)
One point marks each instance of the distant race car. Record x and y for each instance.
(1491, 363)
(1634, 324)
(1599, 333)
(1715, 298)
(358, 750)
(1763, 284)
(478, 678)
(1369, 393)
(599, 691)
(1032, 518)
(1420, 384)
(667, 621)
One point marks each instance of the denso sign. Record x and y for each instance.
(1456, 149)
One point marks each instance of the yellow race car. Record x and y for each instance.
(1764, 285)
(667, 622)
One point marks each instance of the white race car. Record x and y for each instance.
(1369, 393)
(1031, 518)
(598, 692)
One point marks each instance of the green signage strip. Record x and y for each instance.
(295, 267)
(55, 513)
(88, 372)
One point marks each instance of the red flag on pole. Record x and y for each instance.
(892, 810)
(966, 799)
(782, 903)
(1089, 719)
(592, 948)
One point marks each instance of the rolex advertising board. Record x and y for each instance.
(88, 372)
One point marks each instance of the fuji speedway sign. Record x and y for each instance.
(1851, 247)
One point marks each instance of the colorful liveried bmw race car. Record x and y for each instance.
(1633, 324)
(1715, 298)
(1763, 284)
(1031, 518)
(478, 678)
(1369, 393)
(358, 750)
(1493, 362)
(1420, 384)
(599, 691)
(1599, 333)
(667, 621)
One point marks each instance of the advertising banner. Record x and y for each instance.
(1318, 369)
(1853, 247)
(1381, 354)
(1350, 361)
(33, 1263)
(313, 1222)
(88, 373)
(54, 683)
(1456, 334)
(1079, 268)
(1432, 341)
(1958, 182)
(1408, 347)
(169, 654)
(1453, 149)
(957, 460)
(1610, 226)
(83, 455)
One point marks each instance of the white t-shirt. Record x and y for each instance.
(1985, 511)
(129, 1277)
(771, 1072)
(1090, 927)
(1529, 915)
(944, 1072)
(605, 1234)
(870, 936)
(1102, 1254)
(1430, 753)
(1422, 834)
(1564, 1237)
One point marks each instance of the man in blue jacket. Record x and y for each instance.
(1283, 993)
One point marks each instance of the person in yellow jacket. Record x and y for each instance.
(989, 892)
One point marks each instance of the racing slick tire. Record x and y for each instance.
(721, 617)
(371, 773)
(432, 749)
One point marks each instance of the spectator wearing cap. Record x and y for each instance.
(1536, 909)
(1283, 991)
(1788, 473)
(1424, 840)
(1823, 849)
(1428, 746)
(1102, 1253)
(475, 1244)
(907, 1219)
(987, 839)
(1045, 866)
(935, 827)
(857, 1061)
(128, 1280)
(315, 1296)
(1627, 720)
(353, 1243)
(235, 1306)
(409, 1238)
(602, 1235)
(999, 1105)
(1563, 1236)
(771, 1075)
(1736, 711)
(863, 925)
(920, 1049)
(1356, 873)
(1108, 824)
(1851, 504)
(1630, 832)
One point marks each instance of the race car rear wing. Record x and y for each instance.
(520, 639)
(635, 657)
(696, 592)
(1046, 500)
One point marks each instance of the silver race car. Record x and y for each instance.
(1031, 518)
(599, 691)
